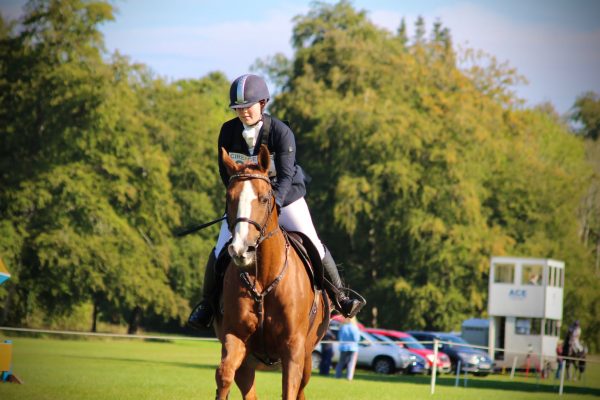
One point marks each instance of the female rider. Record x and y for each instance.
(242, 138)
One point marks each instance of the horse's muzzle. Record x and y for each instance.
(243, 259)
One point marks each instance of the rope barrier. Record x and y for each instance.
(108, 335)
(212, 339)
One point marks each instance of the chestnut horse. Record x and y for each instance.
(271, 311)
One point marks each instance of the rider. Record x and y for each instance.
(242, 138)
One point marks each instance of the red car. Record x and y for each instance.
(410, 343)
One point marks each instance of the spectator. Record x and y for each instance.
(534, 279)
(559, 359)
(349, 336)
(326, 353)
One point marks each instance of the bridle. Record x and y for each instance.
(250, 283)
(270, 207)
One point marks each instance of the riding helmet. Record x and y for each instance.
(247, 90)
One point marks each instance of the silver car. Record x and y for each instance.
(373, 353)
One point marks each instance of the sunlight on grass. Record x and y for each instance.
(133, 369)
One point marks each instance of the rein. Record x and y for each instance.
(259, 297)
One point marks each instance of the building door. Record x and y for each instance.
(500, 323)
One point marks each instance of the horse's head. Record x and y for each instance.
(250, 203)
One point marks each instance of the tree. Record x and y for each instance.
(100, 161)
(425, 166)
(586, 112)
(587, 116)
(85, 186)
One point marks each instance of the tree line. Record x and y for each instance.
(424, 163)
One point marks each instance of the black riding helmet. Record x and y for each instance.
(247, 90)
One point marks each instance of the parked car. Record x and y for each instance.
(471, 359)
(408, 342)
(418, 364)
(383, 358)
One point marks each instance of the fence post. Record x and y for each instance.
(514, 366)
(562, 377)
(434, 366)
(457, 374)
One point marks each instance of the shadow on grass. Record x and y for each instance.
(483, 383)
(146, 361)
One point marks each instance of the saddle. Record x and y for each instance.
(305, 249)
(314, 268)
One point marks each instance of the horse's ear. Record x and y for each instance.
(229, 164)
(264, 159)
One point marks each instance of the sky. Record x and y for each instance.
(555, 44)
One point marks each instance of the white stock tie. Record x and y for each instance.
(250, 134)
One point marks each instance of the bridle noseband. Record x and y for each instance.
(270, 206)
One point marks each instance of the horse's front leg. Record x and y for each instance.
(244, 379)
(233, 352)
(306, 373)
(292, 361)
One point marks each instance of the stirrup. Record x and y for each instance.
(349, 306)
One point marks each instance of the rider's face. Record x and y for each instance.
(250, 115)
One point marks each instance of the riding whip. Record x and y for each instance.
(196, 227)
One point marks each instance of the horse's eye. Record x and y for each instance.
(263, 199)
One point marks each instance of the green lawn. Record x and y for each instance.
(132, 369)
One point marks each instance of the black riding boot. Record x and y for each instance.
(347, 306)
(202, 315)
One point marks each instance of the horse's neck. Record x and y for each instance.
(272, 254)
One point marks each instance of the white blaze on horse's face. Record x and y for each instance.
(238, 249)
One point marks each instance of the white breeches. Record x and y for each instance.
(293, 217)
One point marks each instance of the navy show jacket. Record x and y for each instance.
(289, 183)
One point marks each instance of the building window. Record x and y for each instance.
(555, 277)
(504, 273)
(528, 326)
(532, 275)
(552, 327)
(561, 279)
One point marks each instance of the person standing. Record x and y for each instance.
(326, 353)
(349, 336)
(559, 359)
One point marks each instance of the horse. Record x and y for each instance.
(271, 313)
(578, 362)
(574, 351)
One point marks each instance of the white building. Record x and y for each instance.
(525, 308)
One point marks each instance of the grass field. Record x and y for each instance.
(127, 369)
